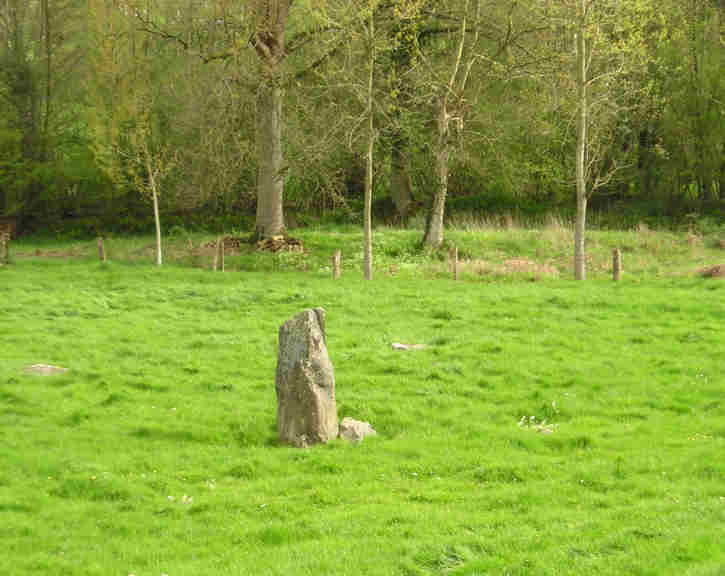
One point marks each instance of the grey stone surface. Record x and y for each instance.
(305, 382)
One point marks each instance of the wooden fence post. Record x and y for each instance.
(221, 252)
(336, 262)
(4, 248)
(190, 247)
(616, 264)
(101, 250)
(216, 254)
(453, 261)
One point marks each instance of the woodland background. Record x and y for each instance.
(101, 97)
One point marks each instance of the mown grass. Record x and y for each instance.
(156, 452)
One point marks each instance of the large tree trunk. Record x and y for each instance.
(434, 230)
(270, 218)
(270, 17)
(581, 144)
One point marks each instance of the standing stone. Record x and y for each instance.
(305, 382)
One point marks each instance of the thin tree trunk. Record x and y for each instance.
(48, 73)
(434, 233)
(157, 221)
(367, 216)
(270, 219)
(581, 185)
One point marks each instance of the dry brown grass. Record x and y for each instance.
(713, 272)
(512, 268)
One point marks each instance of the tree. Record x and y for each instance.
(270, 18)
(151, 160)
(367, 217)
(449, 107)
(609, 49)
(581, 141)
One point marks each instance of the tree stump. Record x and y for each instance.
(616, 264)
(101, 250)
(336, 262)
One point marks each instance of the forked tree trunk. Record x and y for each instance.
(434, 230)
(581, 147)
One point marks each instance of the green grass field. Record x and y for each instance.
(549, 427)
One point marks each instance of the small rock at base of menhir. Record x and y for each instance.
(355, 430)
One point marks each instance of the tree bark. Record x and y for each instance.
(269, 41)
(157, 221)
(48, 73)
(270, 216)
(581, 145)
(434, 232)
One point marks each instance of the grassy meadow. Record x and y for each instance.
(548, 427)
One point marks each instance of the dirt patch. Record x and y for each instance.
(73, 252)
(713, 272)
(510, 267)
